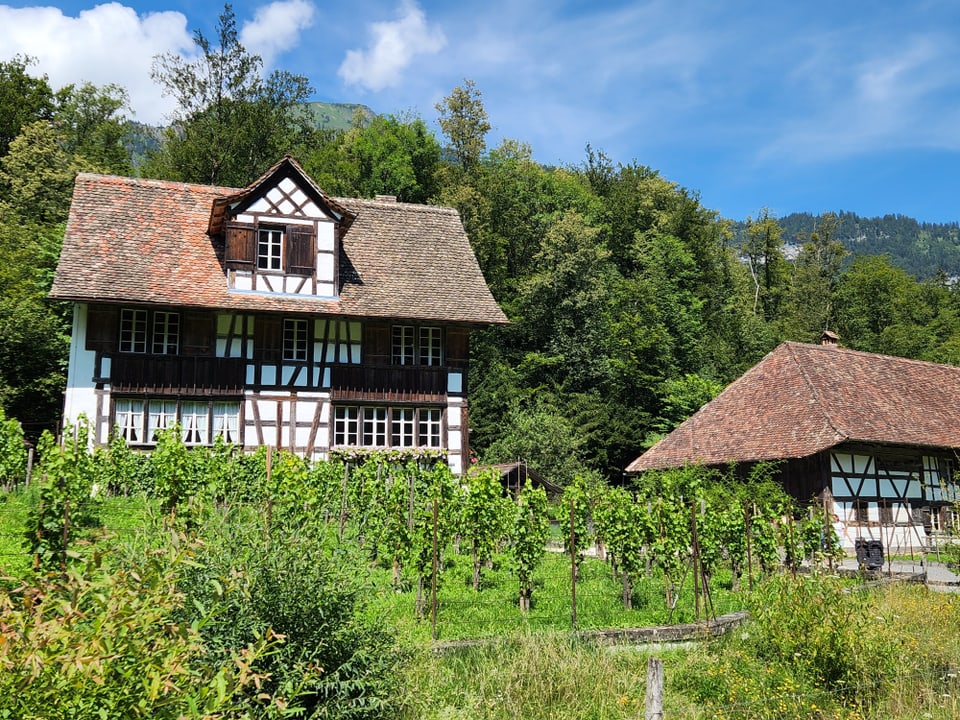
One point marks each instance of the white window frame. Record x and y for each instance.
(270, 249)
(431, 346)
(375, 426)
(346, 425)
(226, 422)
(166, 333)
(133, 330)
(403, 347)
(430, 430)
(161, 415)
(195, 422)
(295, 340)
(403, 426)
(128, 419)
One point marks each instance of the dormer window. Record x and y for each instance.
(270, 249)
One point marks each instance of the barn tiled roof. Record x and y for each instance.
(138, 241)
(801, 399)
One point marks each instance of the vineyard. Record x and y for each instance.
(305, 588)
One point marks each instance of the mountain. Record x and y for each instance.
(922, 249)
(141, 139)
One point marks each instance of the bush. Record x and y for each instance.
(334, 661)
(108, 644)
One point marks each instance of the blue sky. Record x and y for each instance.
(813, 106)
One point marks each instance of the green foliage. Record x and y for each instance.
(331, 659)
(528, 537)
(66, 504)
(463, 120)
(231, 123)
(573, 515)
(485, 516)
(13, 452)
(108, 642)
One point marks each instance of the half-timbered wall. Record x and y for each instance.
(889, 494)
(232, 375)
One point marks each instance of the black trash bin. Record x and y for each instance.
(869, 553)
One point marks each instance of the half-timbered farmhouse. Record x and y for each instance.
(876, 437)
(269, 315)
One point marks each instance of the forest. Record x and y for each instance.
(631, 303)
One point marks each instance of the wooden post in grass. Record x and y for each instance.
(436, 563)
(573, 569)
(269, 473)
(654, 704)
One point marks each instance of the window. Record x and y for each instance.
(193, 422)
(163, 415)
(375, 426)
(430, 346)
(166, 333)
(346, 426)
(402, 427)
(226, 421)
(269, 249)
(403, 345)
(133, 331)
(129, 420)
(423, 345)
(430, 427)
(295, 340)
(368, 426)
(140, 422)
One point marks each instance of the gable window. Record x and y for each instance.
(269, 249)
(133, 330)
(417, 345)
(295, 340)
(166, 333)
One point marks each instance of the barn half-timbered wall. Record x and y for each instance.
(303, 383)
(896, 495)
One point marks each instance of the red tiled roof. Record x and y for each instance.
(138, 241)
(801, 399)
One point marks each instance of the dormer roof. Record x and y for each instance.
(286, 169)
(137, 241)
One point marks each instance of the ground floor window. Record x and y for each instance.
(140, 420)
(386, 426)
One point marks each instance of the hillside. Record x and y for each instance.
(922, 249)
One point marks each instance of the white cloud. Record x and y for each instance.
(107, 44)
(393, 47)
(276, 28)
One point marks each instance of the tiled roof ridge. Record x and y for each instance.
(106, 179)
(866, 354)
(791, 348)
(398, 205)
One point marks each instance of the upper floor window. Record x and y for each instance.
(166, 333)
(133, 330)
(269, 249)
(295, 340)
(417, 345)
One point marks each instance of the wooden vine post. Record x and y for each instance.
(436, 563)
(654, 695)
(573, 567)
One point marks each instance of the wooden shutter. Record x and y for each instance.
(376, 343)
(268, 338)
(301, 250)
(103, 328)
(198, 334)
(241, 247)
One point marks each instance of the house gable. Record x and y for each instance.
(281, 235)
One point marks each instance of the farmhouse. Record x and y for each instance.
(269, 315)
(873, 436)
